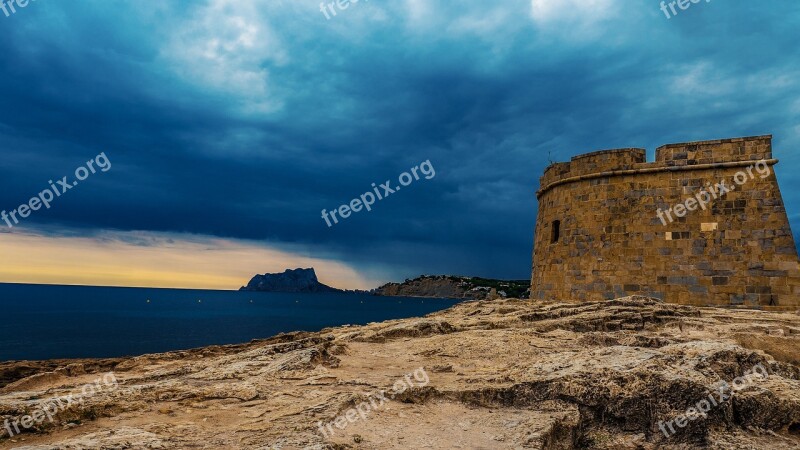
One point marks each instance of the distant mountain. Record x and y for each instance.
(444, 286)
(297, 280)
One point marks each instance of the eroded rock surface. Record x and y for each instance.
(501, 374)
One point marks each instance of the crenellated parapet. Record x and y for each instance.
(717, 151)
(593, 163)
(698, 155)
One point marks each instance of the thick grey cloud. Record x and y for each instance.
(245, 119)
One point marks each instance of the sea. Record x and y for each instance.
(52, 322)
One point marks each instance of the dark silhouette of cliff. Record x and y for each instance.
(297, 280)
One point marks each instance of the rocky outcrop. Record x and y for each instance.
(297, 280)
(443, 286)
(502, 374)
(15, 370)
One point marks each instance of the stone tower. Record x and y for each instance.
(704, 224)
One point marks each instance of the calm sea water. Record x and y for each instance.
(47, 322)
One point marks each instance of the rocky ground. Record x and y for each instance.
(482, 375)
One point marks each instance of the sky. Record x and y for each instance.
(229, 126)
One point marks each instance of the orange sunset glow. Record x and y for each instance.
(154, 260)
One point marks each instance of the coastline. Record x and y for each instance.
(501, 374)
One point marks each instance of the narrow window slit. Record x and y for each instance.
(556, 231)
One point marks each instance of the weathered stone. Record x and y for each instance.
(743, 235)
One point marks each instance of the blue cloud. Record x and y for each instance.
(245, 119)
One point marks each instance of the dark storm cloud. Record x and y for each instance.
(245, 119)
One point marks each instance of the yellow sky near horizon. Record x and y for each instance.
(144, 259)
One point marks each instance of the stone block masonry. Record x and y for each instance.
(598, 235)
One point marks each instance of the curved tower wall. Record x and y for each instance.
(599, 235)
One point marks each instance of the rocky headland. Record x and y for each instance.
(446, 286)
(297, 280)
(502, 374)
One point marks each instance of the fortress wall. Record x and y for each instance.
(611, 242)
(722, 150)
(607, 160)
(596, 162)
